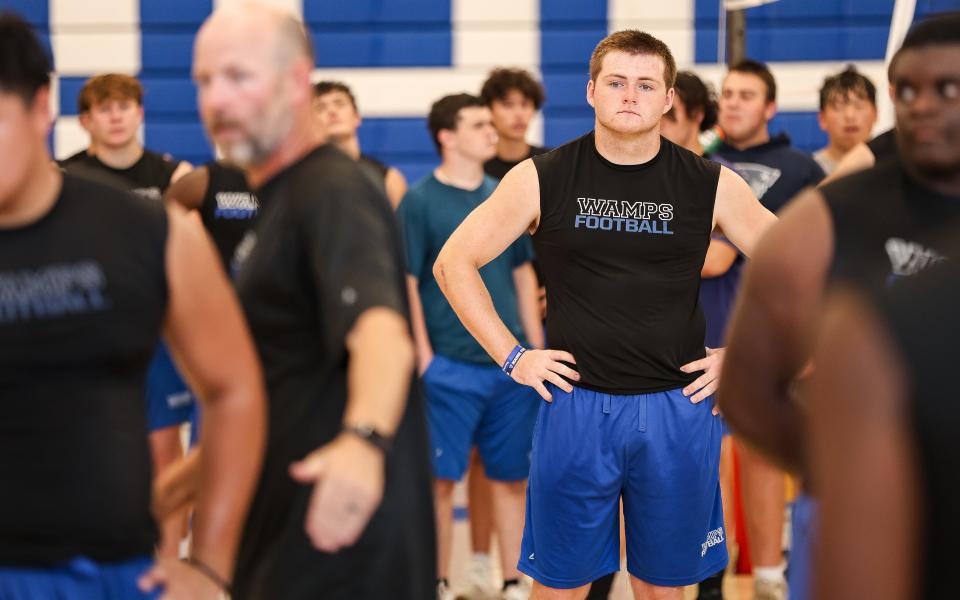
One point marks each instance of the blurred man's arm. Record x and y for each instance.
(396, 186)
(189, 190)
(864, 462)
(771, 332)
(209, 338)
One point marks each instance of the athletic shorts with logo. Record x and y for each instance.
(660, 453)
(478, 405)
(169, 400)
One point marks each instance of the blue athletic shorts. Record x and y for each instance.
(169, 400)
(76, 579)
(803, 523)
(477, 405)
(659, 453)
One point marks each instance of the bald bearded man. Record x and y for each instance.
(343, 506)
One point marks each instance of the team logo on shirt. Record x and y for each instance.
(242, 252)
(621, 215)
(53, 291)
(150, 193)
(713, 538)
(760, 178)
(236, 205)
(909, 258)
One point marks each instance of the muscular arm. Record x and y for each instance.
(864, 462)
(396, 186)
(182, 169)
(210, 340)
(720, 257)
(528, 304)
(738, 213)
(771, 331)
(510, 211)
(188, 191)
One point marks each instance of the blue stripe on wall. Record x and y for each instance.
(377, 11)
(425, 48)
(570, 29)
(35, 12)
(809, 30)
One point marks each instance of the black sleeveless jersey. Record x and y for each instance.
(497, 168)
(228, 210)
(82, 299)
(923, 319)
(621, 248)
(149, 176)
(887, 226)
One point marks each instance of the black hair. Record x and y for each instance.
(322, 88)
(848, 81)
(696, 97)
(501, 81)
(936, 30)
(24, 63)
(445, 112)
(757, 68)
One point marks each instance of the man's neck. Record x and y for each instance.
(350, 146)
(512, 150)
(693, 144)
(460, 172)
(627, 149)
(760, 137)
(120, 157)
(304, 136)
(948, 185)
(35, 198)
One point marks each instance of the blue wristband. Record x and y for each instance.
(512, 359)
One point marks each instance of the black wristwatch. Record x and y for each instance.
(370, 435)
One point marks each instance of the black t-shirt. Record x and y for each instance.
(497, 167)
(229, 209)
(621, 248)
(923, 318)
(325, 250)
(148, 177)
(884, 146)
(82, 298)
(887, 226)
(775, 170)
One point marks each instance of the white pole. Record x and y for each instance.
(900, 23)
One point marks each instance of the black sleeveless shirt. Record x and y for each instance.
(621, 248)
(148, 177)
(82, 298)
(887, 226)
(922, 316)
(229, 209)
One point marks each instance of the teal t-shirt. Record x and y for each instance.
(429, 213)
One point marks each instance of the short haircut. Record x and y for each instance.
(846, 82)
(937, 30)
(758, 69)
(445, 112)
(111, 86)
(634, 42)
(696, 97)
(24, 64)
(322, 88)
(501, 81)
